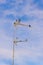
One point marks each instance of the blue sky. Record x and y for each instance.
(30, 12)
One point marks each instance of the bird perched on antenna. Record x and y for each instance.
(18, 22)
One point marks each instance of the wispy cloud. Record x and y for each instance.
(29, 12)
(2, 1)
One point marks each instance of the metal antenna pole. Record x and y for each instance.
(13, 49)
(13, 53)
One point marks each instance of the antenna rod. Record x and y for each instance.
(13, 53)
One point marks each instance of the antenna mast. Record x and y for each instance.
(16, 23)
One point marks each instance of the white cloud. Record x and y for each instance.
(5, 41)
(21, 55)
(2, 1)
(32, 53)
(28, 9)
(5, 54)
(3, 64)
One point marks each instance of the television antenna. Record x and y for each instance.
(16, 23)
